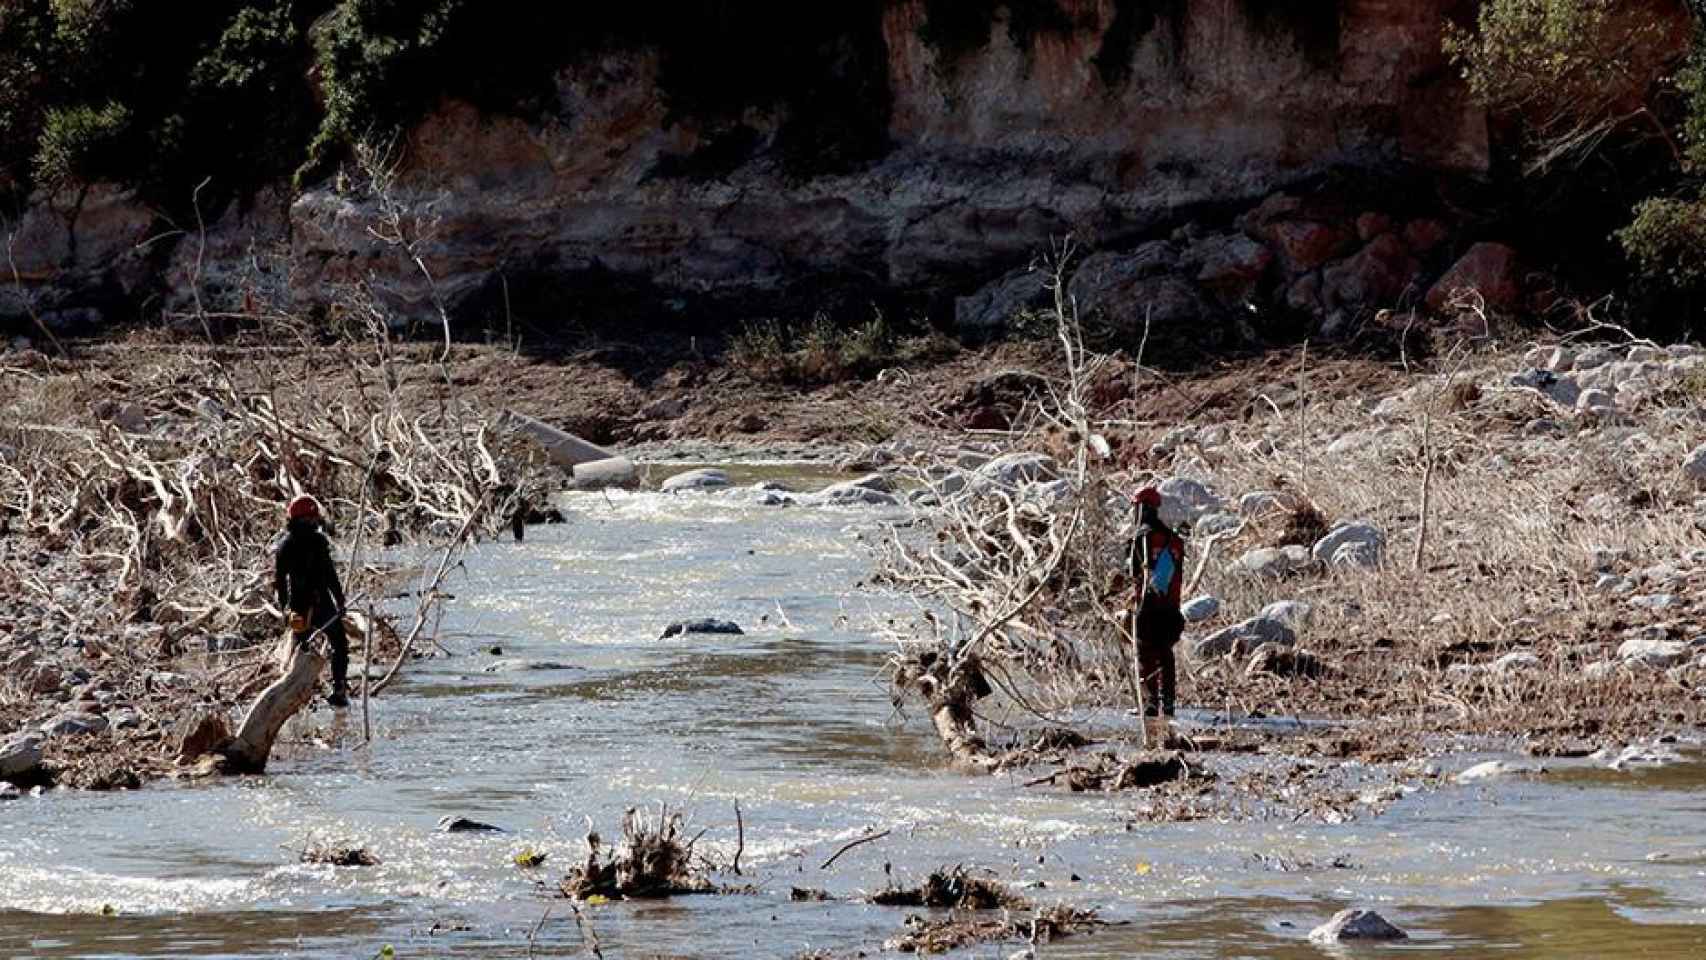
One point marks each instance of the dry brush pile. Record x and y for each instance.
(1512, 544)
(142, 486)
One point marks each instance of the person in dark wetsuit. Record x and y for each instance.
(1157, 565)
(308, 589)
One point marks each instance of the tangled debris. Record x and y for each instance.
(654, 859)
(942, 934)
(955, 889)
(339, 856)
(1109, 772)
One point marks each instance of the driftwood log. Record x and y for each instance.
(248, 751)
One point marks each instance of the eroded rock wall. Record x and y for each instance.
(1108, 119)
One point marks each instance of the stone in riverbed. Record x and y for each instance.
(702, 625)
(9, 792)
(1366, 539)
(516, 665)
(1273, 561)
(852, 493)
(708, 478)
(1016, 469)
(20, 756)
(1356, 925)
(1200, 609)
(454, 824)
(1242, 638)
(74, 725)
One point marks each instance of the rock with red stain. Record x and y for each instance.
(1424, 236)
(1378, 276)
(1492, 269)
(1304, 245)
(1372, 224)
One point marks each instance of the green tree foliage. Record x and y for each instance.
(80, 144)
(1576, 75)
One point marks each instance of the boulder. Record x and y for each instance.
(1493, 269)
(1231, 266)
(852, 494)
(1130, 291)
(707, 478)
(1243, 639)
(703, 625)
(75, 724)
(1293, 613)
(20, 757)
(1273, 561)
(455, 824)
(1565, 391)
(989, 313)
(1488, 770)
(1200, 608)
(1694, 466)
(1216, 523)
(1304, 245)
(1366, 539)
(1514, 662)
(1596, 403)
(1184, 500)
(1262, 502)
(1377, 276)
(1654, 651)
(1354, 925)
(1017, 469)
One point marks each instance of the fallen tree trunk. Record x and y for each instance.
(591, 466)
(248, 751)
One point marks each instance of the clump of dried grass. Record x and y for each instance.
(653, 859)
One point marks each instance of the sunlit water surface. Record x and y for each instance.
(792, 721)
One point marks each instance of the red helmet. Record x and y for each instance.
(1147, 496)
(303, 508)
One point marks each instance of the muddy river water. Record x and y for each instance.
(792, 721)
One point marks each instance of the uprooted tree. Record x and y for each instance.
(1026, 553)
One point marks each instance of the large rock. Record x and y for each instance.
(1184, 501)
(1231, 266)
(707, 478)
(1200, 608)
(1243, 638)
(1017, 469)
(1354, 925)
(1365, 541)
(20, 757)
(1493, 269)
(1274, 561)
(1694, 466)
(1377, 276)
(75, 724)
(852, 493)
(989, 313)
(1304, 245)
(702, 625)
(1654, 651)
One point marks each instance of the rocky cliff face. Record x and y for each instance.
(983, 136)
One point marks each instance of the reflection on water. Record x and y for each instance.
(791, 720)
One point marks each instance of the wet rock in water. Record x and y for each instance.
(1366, 541)
(340, 857)
(75, 725)
(455, 824)
(704, 625)
(1489, 770)
(9, 792)
(875, 490)
(1654, 651)
(1355, 925)
(517, 665)
(1274, 562)
(1200, 608)
(1637, 756)
(708, 478)
(1242, 639)
(20, 757)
